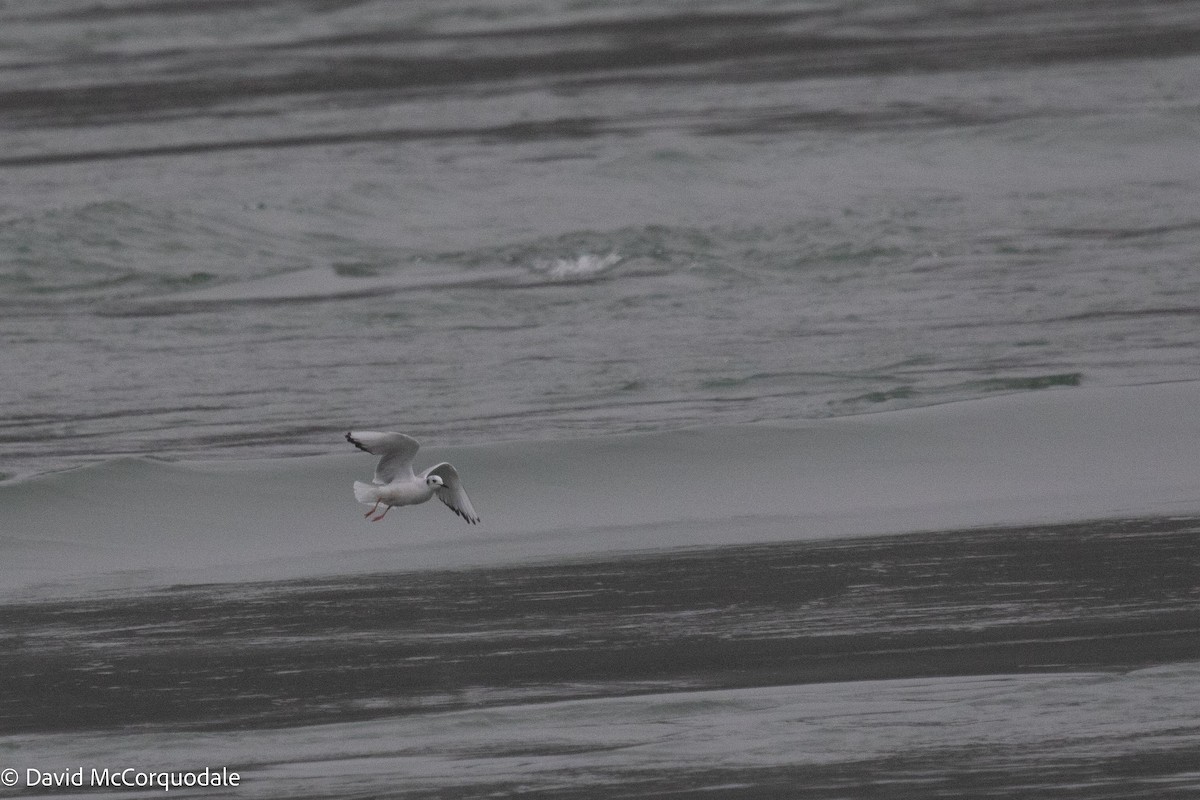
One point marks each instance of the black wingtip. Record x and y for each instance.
(469, 520)
(356, 442)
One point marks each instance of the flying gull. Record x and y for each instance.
(396, 484)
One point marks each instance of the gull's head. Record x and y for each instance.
(434, 482)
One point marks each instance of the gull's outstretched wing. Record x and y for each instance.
(452, 492)
(395, 451)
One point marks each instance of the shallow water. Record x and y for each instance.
(638, 269)
(1041, 661)
(234, 231)
(602, 634)
(1025, 458)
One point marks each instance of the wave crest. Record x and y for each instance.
(579, 268)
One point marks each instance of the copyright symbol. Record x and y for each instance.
(9, 777)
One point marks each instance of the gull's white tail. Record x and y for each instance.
(366, 492)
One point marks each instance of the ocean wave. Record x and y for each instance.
(341, 281)
(337, 282)
(1055, 455)
(581, 268)
(307, 285)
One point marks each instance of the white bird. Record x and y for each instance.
(396, 484)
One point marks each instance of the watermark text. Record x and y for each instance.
(119, 778)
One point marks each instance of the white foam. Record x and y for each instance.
(581, 267)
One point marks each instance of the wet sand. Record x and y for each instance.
(1024, 604)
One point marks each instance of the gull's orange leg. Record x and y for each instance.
(372, 511)
(381, 516)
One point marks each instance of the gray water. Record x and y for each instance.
(545, 237)
(947, 665)
(228, 229)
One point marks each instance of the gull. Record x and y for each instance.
(396, 484)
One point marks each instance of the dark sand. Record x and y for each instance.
(1087, 597)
